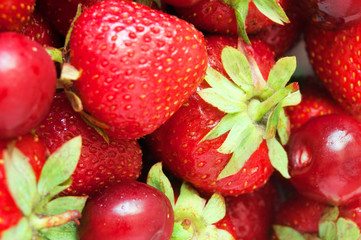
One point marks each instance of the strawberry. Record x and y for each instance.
(136, 79)
(251, 214)
(335, 58)
(15, 14)
(234, 17)
(41, 31)
(101, 164)
(60, 13)
(35, 151)
(316, 101)
(280, 38)
(193, 144)
(29, 181)
(302, 218)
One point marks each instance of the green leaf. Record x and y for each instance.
(278, 157)
(281, 73)
(239, 131)
(224, 235)
(237, 67)
(272, 10)
(330, 214)
(347, 229)
(222, 127)
(283, 127)
(273, 122)
(21, 230)
(63, 204)
(327, 230)
(248, 145)
(20, 178)
(60, 166)
(55, 54)
(67, 231)
(188, 203)
(292, 99)
(287, 233)
(179, 233)
(224, 86)
(224, 104)
(159, 180)
(215, 209)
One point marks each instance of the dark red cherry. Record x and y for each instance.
(332, 14)
(325, 159)
(127, 211)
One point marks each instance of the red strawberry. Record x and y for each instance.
(251, 214)
(193, 144)
(41, 31)
(101, 164)
(316, 101)
(302, 218)
(183, 3)
(30, 179)
(60, 13)
(280, 38)
(15, 14)
(335, 58)
(136, 78)
(219, 17)
(35, 151)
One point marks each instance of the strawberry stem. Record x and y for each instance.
(55, 220)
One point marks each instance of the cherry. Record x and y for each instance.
(332, 14)
(325, 159)
(127, 211)
(27, 86)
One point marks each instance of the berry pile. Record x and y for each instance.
(182, 120)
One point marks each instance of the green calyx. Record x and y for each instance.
(194, 216)
(254, 108)
(45, 216)
(331, 227)
(269, 8)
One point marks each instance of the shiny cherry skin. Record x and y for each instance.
(127, 211)
(332, 14)
(325, 159)
(27, 84)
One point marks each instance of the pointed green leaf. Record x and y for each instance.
(330, 214)
(63, 204)
(223, 85)
(67, 231)
(159, 180)
(247, 147)
(222, 127)
(237, 67)
(179, 233)
(272, 10)
(283, 128)
(347, 229)
(273, 121)
(240, 9)
(292, 99)
(20, 178)
(55, 54)
(224, 235)
(188, 203)
(21, 230)
(240, 130)
(58, 189)
(224, 104)
(327, 230)
(281, 73)
(215, 209)
(287, 233)
(278, 157)
(59, 166)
